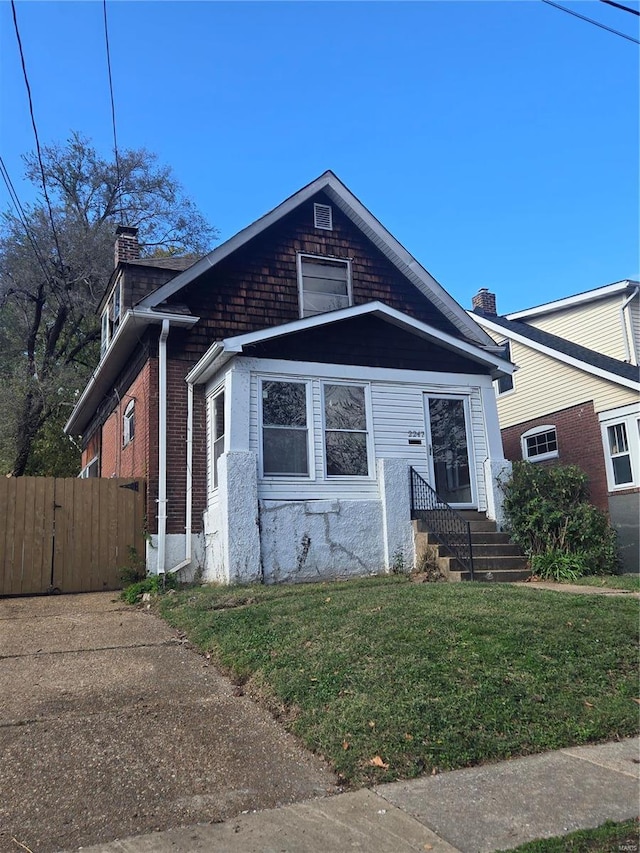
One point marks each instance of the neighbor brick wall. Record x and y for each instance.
(579, 443)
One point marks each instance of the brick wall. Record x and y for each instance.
(579, 443)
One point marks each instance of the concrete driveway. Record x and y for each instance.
(110, 726)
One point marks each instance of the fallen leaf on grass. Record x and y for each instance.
(428, 846)
(636, 700)
(407, 736)
(372, 724)
(376, 761)
(345, 744)
(328, 599)
(588, 704)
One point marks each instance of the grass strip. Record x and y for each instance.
(609, 838)
(629, 582)
(390, 679)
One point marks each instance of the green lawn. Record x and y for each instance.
(630, 582)
(384, 671)
(608, 838)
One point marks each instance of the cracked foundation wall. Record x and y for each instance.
(317, 540)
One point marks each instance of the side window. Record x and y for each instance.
(324, 284)
(217, 424)
(105, 328)
(618, 446)
(285, 429)
(129, 423)
(540, 443)
(345, 431)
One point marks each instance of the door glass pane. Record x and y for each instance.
(449, 449)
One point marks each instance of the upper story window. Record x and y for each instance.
(324, 284)
(345, 431)
(129, 423)
(505, 383)
(540, 443)
(285, 428)
(218, 430)
(111, 317)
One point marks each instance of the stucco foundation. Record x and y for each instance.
(316, 540)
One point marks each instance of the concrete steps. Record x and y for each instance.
(495, 558)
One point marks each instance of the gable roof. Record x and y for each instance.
(222, 351)
(344, 199)
(627, 285)
(563, 350)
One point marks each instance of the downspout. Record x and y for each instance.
(162, 446)
(631, 355)
(188, 508)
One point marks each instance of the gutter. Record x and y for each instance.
(627, 332)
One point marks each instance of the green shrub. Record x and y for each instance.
(549, 516)
(155, 584)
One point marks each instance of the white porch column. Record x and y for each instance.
(393, 477)
(497, 469)
(238, 495)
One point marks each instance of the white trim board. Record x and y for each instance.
(572, 301)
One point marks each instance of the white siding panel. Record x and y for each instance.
(596, 325)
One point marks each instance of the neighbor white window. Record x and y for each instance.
(621, 442)
(217, 433)
(129, 423)
(324, 284)
(285, 428)
(345, 431)
(91, 469)
(540, 443)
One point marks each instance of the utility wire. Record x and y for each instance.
(113, 106)
(590, 20)
(22, 217)
(35, 133)
(620, 6)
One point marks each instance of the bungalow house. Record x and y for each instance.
(276, 392)
(574, 396)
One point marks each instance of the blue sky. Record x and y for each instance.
(497, 141)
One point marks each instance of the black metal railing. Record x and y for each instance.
(448, 526)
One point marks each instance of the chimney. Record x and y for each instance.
(484, 303)
(127, 246)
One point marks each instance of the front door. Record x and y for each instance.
(450, 465)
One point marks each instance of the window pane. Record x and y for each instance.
(218, 416)
(318, 303)
(344, 407)
(544, 442)
(284, 451)
(618, 438)
(622, 469)
(346, 454)
(284, 404)
(326, 278)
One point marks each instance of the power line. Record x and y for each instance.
(35, 133)
(113, 106)
(22, 217)
(620, 6)
(589, 20)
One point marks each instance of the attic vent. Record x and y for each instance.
(322, 217)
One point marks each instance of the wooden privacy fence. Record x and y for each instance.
(68, 535)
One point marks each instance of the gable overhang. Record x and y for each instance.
(221, 351)
(128, 334)
(363, 219)
(618, 287)
(592, 369)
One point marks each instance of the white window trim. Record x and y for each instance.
(110, 321)
(128, 416)
(84, 474)
(303, 256)
(631, 420)
(280, 478)
(540, 457)
(367, 431)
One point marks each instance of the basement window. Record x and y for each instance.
(540, 443)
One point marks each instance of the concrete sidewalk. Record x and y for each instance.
(476, 810)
